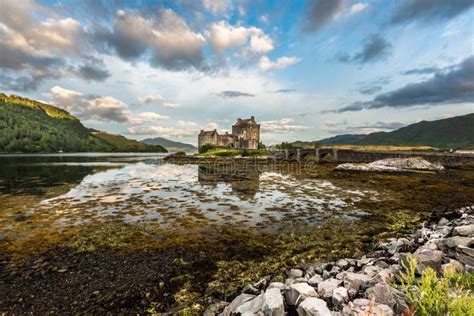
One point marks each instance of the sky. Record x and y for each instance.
(305, 69)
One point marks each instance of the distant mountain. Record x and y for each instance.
(169, 144)
(30, 126)
(455, 132)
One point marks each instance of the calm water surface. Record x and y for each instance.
(72, 189)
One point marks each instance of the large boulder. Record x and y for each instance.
(298, 292)
(326, 288)
(251, 307)
(353, 282)
(382, 294)
(465, 255)
(238, 301)
(340, 296)
(273, 304)
(313, 306)
(393, 165)
(363, 306)
(425, 258)
(466, 230)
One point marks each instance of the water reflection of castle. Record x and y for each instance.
(243, 180)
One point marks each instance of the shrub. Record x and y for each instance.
(449, 294)
(205, 148)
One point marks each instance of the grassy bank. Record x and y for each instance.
(224, 152)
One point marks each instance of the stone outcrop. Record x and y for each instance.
(392, 165)
(364, 285)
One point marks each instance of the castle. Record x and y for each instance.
(245, 135)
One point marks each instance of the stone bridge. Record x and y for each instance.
(363, 156)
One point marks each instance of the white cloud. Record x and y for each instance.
(358, 7)
(167, 132)
(102, 108)
(147, 117)
(223, 36)
(281, 63)
(170, 105)
(283, 125)
(263, 18)
(217, 6)
(151, 99)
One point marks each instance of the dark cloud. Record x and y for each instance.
(164, 37)
(93, 70)
(422, 71)
(370, 89)
(426, 11)
(375, 48)
(453, 86)
(321, 12)
(234, 94)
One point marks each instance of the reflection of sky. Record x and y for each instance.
(162, 191)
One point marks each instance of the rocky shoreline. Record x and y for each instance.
(363, 286)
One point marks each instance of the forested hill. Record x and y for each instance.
(454, 132)
(29, 126)
(169, 144)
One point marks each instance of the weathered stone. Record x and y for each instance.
(443, 221)
(401, 305)
(452, 265)
(301, 280)
(251, 307)
(362, 306)
(353, 282)
(313, 306)
(277, 285)
(342, 263)
(455, 241)
(466, 230)
(315, 280)
(465, 255)
(326, 288)
(295, 273)
(298, 292)
(424, 258)
(371, 270)
(340, 296)
(381, 294)
(239, 300)
(385, 276)
(392, 165)
(273, 303)
(250, 289)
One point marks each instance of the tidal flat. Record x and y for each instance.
(93, 233)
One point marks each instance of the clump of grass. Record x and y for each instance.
(449, 294)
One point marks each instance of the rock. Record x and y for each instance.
(424, 258)
(340, 296)
(315, 280)
(301, 280)
(342, 263)
(443, 222)
(295, 273)
(452, 265)
(467, 230)
(362, 306)
(251, 307)
(465, 255)
(299, 292)
(353, 282)
(392, 165)
(250, 289)
(371, 270)
(401, 299)
(238, 301)
(277, 285)
(313, 306)
(326, 288)
(273, 303)
(381, 294)
(385, 276)
(455, 241)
